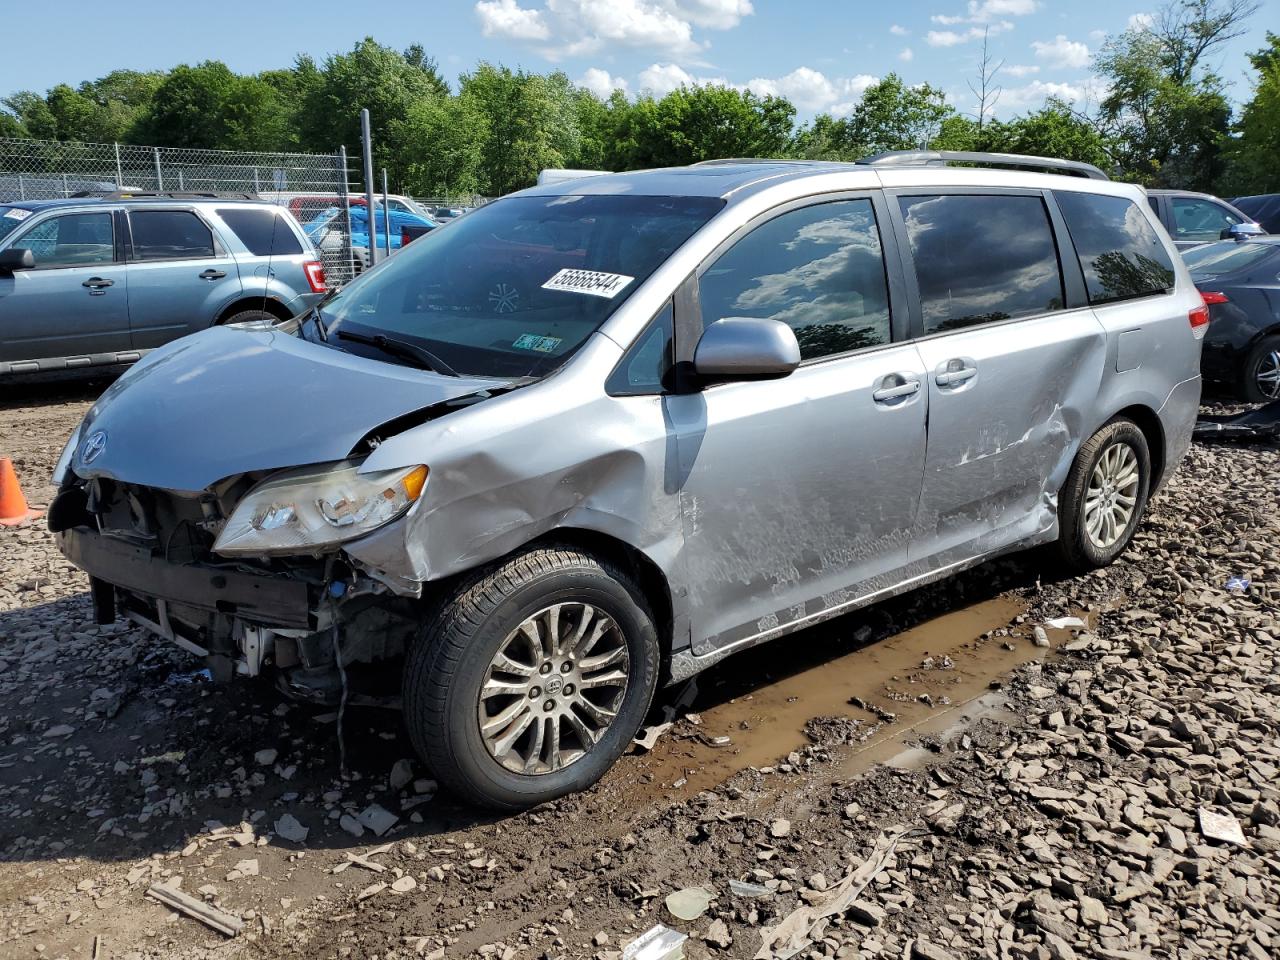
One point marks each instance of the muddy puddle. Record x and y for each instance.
(866, 702)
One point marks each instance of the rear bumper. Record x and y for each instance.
(1178, 418)
(261, 598)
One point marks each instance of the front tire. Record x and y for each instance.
(531, 678)
(1261, 381)
(1104, 497)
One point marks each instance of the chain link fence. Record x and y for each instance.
(315, 188)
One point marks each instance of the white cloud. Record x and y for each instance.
(989, 9)
(1141, 21)
(713, 14)
(505, 18)
(947, 20)
(945, 38)
(1036, 92)
(566, 28)
(898, 30)
(906, 56)
(660, 79)
(601, 83)
(1020, 69)
(810, 89)
(1061, 52)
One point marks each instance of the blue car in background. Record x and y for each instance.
(325, 229)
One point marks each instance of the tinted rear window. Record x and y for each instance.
(980, 259)
(1120, 253)
(169, 235)
(262, 231)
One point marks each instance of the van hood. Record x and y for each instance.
(228, 401)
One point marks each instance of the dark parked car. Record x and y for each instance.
(1264, 208)
(1195, 218)
(1240, 282)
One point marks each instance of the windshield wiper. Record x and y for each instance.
(403, 349)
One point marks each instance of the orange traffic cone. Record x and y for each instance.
(13, 505)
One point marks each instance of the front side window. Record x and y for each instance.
(980, 259)
(514, 288)
(818, 269)
(169, 235)
(71, 240)
(1195, 219)
(1119, 251)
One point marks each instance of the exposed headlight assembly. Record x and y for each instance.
(308, 510)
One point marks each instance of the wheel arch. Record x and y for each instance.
(1148, 421)
(268, 304)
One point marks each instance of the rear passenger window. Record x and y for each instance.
(980, 259)
(169, 235)
(819, 269)
(262, 231)
(1120, 253)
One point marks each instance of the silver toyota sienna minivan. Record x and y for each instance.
(597, 435)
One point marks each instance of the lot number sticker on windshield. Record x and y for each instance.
(532, 341)
(17, 214)
(607, 285)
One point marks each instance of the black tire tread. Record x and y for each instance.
(455, 620)
(1069, 547)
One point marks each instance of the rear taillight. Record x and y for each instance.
(1212, 298)
(1199, 319)
(314, 270)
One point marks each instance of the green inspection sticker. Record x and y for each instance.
(533, 341)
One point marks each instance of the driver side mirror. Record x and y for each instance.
(746, 348)
(1241, 231)
(16, 258)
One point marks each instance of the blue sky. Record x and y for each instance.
(820, 53)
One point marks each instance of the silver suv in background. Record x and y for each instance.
(92, 283)
(598, 435)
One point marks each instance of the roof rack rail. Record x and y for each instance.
(168, 195)
(727, 161)
(942, 158)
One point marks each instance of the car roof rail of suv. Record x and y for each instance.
(942, 158)
(168, 195)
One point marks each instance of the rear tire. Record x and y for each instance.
(1105, 495)
(505, 715)
(244, 317)
(1261, 380)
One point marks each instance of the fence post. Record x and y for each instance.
(155, 152)
(386, 212)
(119, 171)
(22, 190)
(366, 139)
(66, 190)
(256, 188)
(346, 210)
(182, 184)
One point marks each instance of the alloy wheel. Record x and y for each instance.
(1267, 375)
(553, 688)
(1112, 495)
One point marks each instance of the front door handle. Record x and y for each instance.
(212, 274)
(954, 372)
(97, 283)
(896, 386)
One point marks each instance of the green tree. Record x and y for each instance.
(711, 122)
(892, 115)
(443, 140)
(1253, 155)
(1165, 111)
(1054, 130)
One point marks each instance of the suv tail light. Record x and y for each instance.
(314, 270)
(1212, 298)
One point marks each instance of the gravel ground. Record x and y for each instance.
(1113, 796)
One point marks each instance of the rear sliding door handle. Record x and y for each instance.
(896, 387)
(954, 373)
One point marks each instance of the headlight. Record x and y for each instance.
(306, 510)
(69, 451)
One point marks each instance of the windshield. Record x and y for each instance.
(10, 219)
(515, 287)
(1214, 259)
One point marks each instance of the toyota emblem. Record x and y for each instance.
(93, 446)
